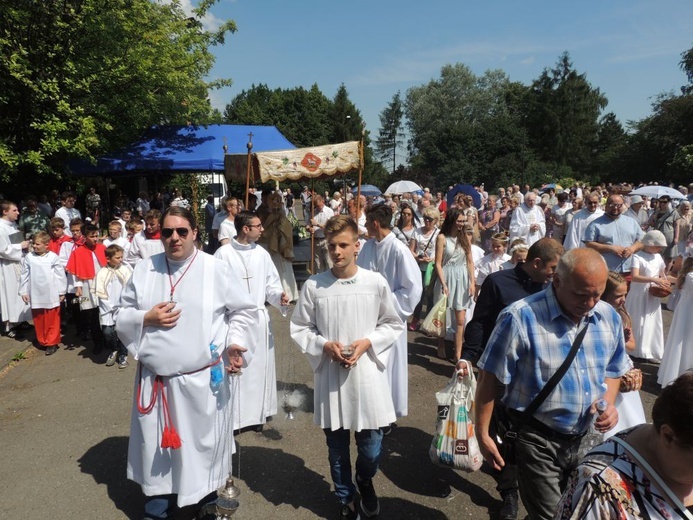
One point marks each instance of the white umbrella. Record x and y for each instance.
(402, 187)
(658, 191)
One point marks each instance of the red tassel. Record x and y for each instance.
(170, 438)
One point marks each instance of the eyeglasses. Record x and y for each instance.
(181, 231)
(428, 219)
(663, 201)
(615, 205)
(254, 225)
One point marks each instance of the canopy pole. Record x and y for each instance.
(358, 194)
(248, 168)
(312, 233)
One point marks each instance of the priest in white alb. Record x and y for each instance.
(528, 221)
(253, 265)
(345, 322)
(13, 246)
(185, 317)
(576, 230)
(385, 254)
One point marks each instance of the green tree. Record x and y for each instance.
(391, 135)
(611, 144)
(462, 128)
(82, 77)
(561, 115)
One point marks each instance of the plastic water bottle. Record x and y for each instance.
(593, 437)
(216, 373)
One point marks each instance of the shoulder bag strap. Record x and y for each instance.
(673, 499)
(549, 386)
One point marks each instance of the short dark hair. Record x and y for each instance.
(90, 228)
(339, 224)
(380, 213)
(77, 222)
(674, 407)
(243, 219)
(545, 249)
(174, 211)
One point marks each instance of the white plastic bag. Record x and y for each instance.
(454, 443)
(434, 323)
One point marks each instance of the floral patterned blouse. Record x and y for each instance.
(608, 484)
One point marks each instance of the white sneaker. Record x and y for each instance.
(111, 359)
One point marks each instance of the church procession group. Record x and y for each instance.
(522, 273)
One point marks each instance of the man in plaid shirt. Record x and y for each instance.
(531, 340)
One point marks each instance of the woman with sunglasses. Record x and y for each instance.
(454, 268)
(423, 247)
(406, 224)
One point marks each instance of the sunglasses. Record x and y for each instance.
(428, 219)
(168, 232)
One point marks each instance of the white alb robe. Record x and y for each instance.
(141, 247)
(43, 279)
(346, 310)
(490, 263)
(522, 219)
(64, 255)
(14, 310)
(576, 229)
(258, 382)
(214, 310)
(395, 262)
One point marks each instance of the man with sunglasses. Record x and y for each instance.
(148, 241)
(253, 264)
(664, 219)
(616, 238)
(581, 219)
(183, 315)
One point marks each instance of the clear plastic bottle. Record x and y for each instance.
(593, 437)
(216, 371)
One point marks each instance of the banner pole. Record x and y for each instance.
(247, 171)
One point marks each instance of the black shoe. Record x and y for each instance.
(51, 350)
(346, 513)
(369, 500)
(508, 510)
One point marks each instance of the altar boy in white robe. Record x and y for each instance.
(253, 265)
(181, 430)
(385, 254)
(345, 321)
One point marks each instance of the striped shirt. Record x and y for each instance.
(531, 340)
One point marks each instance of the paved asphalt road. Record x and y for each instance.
(64, 423)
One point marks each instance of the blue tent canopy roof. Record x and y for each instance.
(185, 148)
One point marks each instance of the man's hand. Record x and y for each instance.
(489, 450)
(162, 315)
(285, 299)
(25, 298)
(78, 292)
(235, 355)
(607, 420)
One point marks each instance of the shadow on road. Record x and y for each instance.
(107, 463)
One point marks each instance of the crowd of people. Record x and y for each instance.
(531, 278)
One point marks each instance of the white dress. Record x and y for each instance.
(345, 310)
(214, 310)
(258, 382)
(678, 351)
(646, 310)
(630, 410)
(395, 262)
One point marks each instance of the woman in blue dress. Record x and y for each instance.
(455, 273)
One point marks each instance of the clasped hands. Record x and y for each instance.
(334, 349)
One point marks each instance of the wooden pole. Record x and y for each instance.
(248, 168)
(312, 234)
(358, 194)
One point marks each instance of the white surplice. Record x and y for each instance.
(43, 279)
(346, 310)
(395, 262)
(14, 310)
(522, 219)
(576, 229)
(142, 247)
(253, 266)
(214, 311)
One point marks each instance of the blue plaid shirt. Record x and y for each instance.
(532, 338)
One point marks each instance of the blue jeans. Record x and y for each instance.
(368, 444)
(111, 341)
(160, 507)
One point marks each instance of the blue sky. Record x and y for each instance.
(629, 49)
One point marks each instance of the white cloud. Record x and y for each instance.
(209, 21)
(528, 61)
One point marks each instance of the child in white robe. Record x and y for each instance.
(345, 322)
(107, 288)
(42, 285)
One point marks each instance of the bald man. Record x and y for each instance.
(531, 339)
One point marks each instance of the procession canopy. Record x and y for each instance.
(308, 163)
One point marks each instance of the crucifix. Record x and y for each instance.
(247, 278)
